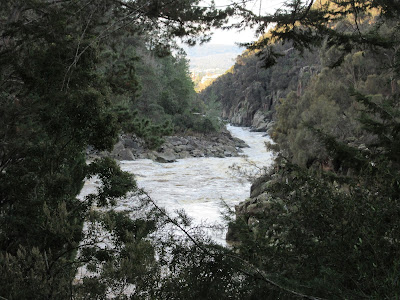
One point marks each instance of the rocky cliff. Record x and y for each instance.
(248, 92)
(257, 206)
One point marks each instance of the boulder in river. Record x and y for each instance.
(221, 144)
(165, 157)
(121, 153)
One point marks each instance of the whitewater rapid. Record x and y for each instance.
(199, 186)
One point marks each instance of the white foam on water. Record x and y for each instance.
(198, 185)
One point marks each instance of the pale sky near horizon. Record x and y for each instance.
(232, 36)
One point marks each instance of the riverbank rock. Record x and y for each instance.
(221, 144)
(121, 153)
(259, 185)
(257, 206)
(261, 121)
(212, 145)
(165, 157)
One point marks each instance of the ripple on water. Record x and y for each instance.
(197, 185)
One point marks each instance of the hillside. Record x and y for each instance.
(301, 89)
(222, 62)
(211, 49)
(248, 92)
(322, 219)
(208, 61)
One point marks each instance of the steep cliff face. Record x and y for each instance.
(248, 92)
(324, 116)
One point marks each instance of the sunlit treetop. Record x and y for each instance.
(307, 24)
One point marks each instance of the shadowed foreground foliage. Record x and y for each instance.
(328, 232)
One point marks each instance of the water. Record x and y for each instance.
(198, 185)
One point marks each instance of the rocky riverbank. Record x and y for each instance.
(222, 144)
(257, 206)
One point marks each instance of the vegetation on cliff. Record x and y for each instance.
(248, 88)
(324, 221)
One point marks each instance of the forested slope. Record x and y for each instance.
(305, 89)
(73, 76)
(154, 95)
(324, 219)
(248, 92)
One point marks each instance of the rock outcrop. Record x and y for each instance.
(248, 93)
(216, 145)
(222, 144)
(257, 206)
(120, 152)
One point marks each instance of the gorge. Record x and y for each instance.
(81, 77)
(198, 185)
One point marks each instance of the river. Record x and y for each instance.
(198, 185)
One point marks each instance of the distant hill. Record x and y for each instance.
(212, 56)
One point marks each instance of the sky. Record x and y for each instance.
(232, 36)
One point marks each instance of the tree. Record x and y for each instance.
(56, 100)
(329, 231)
(309, 24)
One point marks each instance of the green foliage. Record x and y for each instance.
(170, 96)
(131, 122)
(320, 238)
(309, 24)
(158, 98)
(327, 103)
(326, 219)
(69, 80)
(33, 272)
(196, 123)
(114, 182)
(151, 133)
(197, 273)
(169, 104)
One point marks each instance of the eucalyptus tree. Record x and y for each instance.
(332, 231)
(328, 229)
(55, 101)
